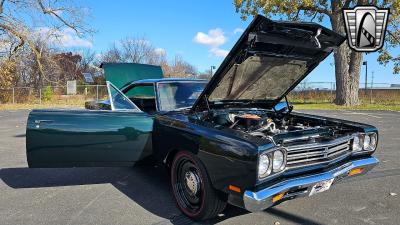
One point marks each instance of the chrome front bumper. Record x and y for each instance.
(301, 187)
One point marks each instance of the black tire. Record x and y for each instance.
(199, 201)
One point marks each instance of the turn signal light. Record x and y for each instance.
(234, 188)
(277, 197)
(356, 171)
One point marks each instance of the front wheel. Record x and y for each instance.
(192, 189)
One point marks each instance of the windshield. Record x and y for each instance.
(176, 95)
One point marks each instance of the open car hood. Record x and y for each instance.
(266, 63)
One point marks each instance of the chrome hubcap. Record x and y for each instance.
(192, 182)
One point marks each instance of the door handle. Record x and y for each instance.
(43, 121)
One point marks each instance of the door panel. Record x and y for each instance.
(72, 138)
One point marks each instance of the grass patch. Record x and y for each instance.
(79, 102)
(38, 106)
(330, 106)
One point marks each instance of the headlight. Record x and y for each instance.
(367, 141)
(264, 167)
(370, 141)
(374, 140)
(357, 145)
(278, 161)
(271, 162)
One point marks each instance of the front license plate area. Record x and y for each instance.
(321, 186)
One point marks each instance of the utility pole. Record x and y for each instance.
(365, 63)
(370, 90)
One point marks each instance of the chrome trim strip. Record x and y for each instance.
(317, 153)
(319, 145)
(313, 163)
(260, 200)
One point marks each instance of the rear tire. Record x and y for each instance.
(192, 189)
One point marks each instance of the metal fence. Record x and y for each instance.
(328, 86)
(310, 92)
(51, 93)
(304, 92)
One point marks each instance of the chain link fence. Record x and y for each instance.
(318, 92)
(52, 94)
(305, 92)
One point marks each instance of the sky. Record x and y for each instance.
(202, 32)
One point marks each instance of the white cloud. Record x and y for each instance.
(214, 38)
(219, 52)
(65, 38)
(160, 51)
(238, 30)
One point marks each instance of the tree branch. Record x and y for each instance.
(315, 15)
(347, 4)
(21, 43)
(53, 12)
(31, 45)
(393, 36)
(315, 9)
(1, 6)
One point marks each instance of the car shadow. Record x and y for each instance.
(290, 216)
(145, 183)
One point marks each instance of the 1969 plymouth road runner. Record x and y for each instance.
(234, 139)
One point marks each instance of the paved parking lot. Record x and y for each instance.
(141, 195)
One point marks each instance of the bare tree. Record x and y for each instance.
(134, 50)
(19, 20)
(112, 55)
(89, 61)
(179, 68)
(140, 50)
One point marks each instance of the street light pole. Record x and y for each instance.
(366, 75)
(211, 71)
(370, 90)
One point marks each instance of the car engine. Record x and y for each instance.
(261, 124)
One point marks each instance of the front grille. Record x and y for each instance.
(302, 155)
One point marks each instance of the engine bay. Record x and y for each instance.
(279, 126)
(261, 125)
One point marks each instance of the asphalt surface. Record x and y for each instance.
(141, 195)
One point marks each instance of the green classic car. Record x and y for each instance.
(234, 139)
